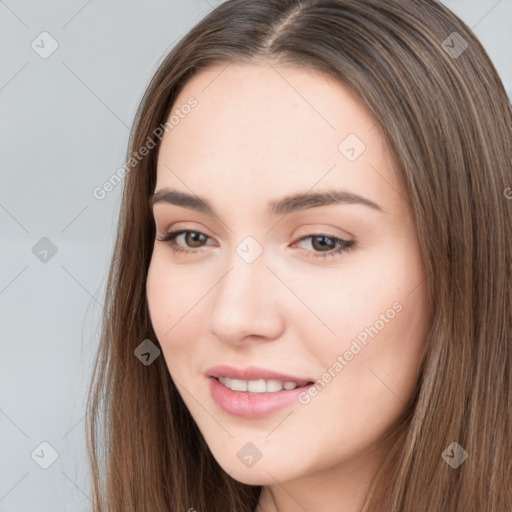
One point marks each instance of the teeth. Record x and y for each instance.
(257, 386)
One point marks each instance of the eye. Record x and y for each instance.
(170, 238)
(195, 239)
(340, 245)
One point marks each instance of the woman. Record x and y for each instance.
(309, 301)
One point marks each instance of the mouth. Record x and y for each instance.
(256, 398)
(260, 386)
(255, 379)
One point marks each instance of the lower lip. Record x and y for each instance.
(252, 405)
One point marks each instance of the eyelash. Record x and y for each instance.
(343, 245)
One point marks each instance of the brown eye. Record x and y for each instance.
(192, 239)
(323, 249)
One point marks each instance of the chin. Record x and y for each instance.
(265, 471)
(253, 476)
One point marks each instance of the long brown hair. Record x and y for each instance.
(446, 117)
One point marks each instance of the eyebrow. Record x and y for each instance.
(288, 204)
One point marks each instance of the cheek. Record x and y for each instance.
(159, 295)
(171, 301)
(370, 293)
(381, 320)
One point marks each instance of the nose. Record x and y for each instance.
(248, 302)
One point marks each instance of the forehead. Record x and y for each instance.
(268, 129)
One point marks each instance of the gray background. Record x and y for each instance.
(64, 128)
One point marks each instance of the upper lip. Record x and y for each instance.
(254, 373)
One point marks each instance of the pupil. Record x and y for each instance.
(323, 244)
(195, 237)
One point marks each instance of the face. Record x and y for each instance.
(329, 292)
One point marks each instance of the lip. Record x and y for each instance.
(251, 405)
(255, 373)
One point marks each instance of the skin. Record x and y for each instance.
(260, 132)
